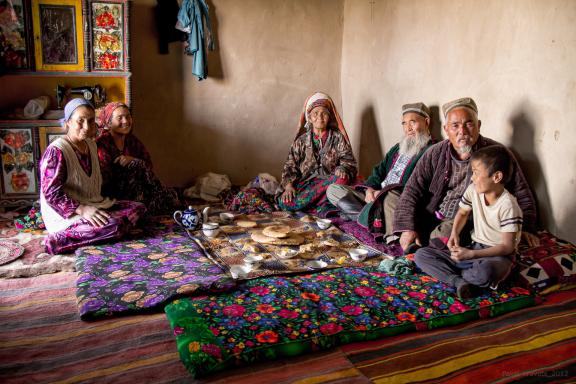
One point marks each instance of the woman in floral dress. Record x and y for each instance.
(126, 164)
(319, 156)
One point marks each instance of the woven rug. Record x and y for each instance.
(319, 249)
(9, 251)
(34, 260)
(43, 340)
(534, 345)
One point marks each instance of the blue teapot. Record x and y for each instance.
(190, 219)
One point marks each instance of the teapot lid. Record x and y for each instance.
(190, 208)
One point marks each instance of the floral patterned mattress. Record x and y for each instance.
(278, 316)
(157, 264)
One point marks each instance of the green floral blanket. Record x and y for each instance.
(279, 316)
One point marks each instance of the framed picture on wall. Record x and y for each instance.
(47, 135)
(19, 171)
(58, 35)
(108, 35)
(15, 36)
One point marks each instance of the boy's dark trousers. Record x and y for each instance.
(482, 272)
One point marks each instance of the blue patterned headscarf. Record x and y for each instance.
(71, 107)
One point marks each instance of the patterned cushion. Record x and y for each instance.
(279, 316)
(143, 272)
(550, 265)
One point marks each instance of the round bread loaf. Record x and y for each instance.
(277, 231)
(259, 237)
(246, 223)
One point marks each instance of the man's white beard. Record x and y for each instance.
(412, 145)
(464, 149)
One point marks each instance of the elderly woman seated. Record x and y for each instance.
(74, 211)
(126, 164)
(320, 155)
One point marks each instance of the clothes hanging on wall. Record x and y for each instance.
(166, 14)
(192, 16)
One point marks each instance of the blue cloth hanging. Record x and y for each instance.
(191, 19)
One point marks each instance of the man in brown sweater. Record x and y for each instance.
(430, 199)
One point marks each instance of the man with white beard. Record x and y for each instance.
(373, 203)
(430, 199)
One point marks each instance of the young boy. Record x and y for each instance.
(497, 228)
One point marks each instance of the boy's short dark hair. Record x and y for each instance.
(495, 158)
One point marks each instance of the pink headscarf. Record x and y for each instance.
(320, 99)
(105, 115)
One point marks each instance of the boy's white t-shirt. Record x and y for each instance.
(491, 220)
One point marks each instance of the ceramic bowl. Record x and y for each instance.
(253, 258)
(211, 229)
(239, 271)
(358, 254)
(323, 223)
(317, 264)
(287, 253)
(226, 217)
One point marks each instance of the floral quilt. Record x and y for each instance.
(157, 264)
(280, 316)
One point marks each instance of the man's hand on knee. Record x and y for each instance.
(407, 238)
(370, 195)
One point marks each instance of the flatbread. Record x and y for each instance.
(246, 223)
(292, 239)
(277, 231)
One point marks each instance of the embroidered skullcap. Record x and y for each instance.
(321, 99)
(467, 102)
(419, 108)
(105, 115)
(71, 107)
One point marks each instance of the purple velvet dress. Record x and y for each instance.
(53, 172)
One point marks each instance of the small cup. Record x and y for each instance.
(323, 223)
(211, 229)
(226, 217)
(317, 264)
(358, 254)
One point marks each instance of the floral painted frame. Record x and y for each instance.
(109, 40)
(58, 35)
(15, 37)
(18, 162)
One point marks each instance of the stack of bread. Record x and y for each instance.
(277, 235)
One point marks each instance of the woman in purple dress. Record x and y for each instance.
(74, 211)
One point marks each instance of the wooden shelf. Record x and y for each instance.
(66, 74)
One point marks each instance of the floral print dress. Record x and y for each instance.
(311, 166)
(53, 174)
(136, 181)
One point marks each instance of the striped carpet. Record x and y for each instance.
(42, 340)
(537, 344)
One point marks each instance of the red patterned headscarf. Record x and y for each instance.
(320, 99)
(105, 115)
